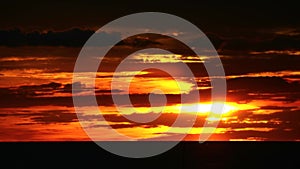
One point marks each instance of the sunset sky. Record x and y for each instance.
(258, 46)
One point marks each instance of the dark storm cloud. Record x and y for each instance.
(139, 42)
(76, 37)
(27, 96)
(263, 42)
(166, 119)
(68, 38)
(17, 101)
(274, 135)
(246, 63)
(113, 91)
(43, 117)
(247, 89)
(51, 116)
(262, 85)
(36, 90)
(55, 116)
(40, 51)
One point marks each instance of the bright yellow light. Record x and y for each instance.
(205, 108)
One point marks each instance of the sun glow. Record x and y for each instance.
(205, 108)
(199, 108)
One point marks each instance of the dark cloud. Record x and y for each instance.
(139, 42)
(37, 90)
(48, 89)
(263, 84)
(247, 89)
(245, 63)
(274, 135)
(27, 96)
(262, 43)
(68, 38)
(73, 37)
(54, 116)
(165, 119)
(113, 91)
(76, 86)
(40, 51)
(43, 116)
(18, 101)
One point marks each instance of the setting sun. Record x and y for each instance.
(205, 108)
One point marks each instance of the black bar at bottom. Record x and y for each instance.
(208, 155)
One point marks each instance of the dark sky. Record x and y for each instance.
(243, 23)
(229, 17)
